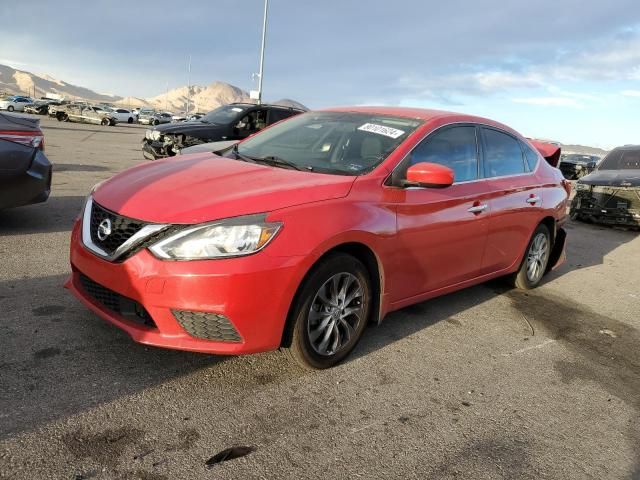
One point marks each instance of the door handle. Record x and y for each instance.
(478, 208)
(533, 200)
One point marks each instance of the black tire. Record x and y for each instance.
(10, 108)
(105, 122)
(62, 117)
(528, 276)
(156, 122)
(343, 323)
(130, 120)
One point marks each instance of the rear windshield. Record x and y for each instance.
(346, 143)
(621, 160)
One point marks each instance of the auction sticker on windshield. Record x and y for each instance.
(381, 130)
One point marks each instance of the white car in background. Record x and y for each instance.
(15, 103)
(122, 115)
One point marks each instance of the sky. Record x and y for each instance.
(567, 70)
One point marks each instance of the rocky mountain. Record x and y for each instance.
(203, 98)
(18, 82)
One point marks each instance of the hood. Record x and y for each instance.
(612, 178)
(194, 129)
(201, 188)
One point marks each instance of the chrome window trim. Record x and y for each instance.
(143, 233)
(478, 148)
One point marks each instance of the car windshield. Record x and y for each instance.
(223, 115)
(345, 143)
(627, 159)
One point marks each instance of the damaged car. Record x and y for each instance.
(85, 114)
(611, 194)
(574, 166)
(235, 121)
(301, 235)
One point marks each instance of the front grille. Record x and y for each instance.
(113, 301)
(122, 228)
(210, 326)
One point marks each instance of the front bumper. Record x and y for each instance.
(583, 208)
(153, 150)
(252, 293)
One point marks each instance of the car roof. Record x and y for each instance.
(424, 114)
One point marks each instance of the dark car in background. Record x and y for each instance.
(25, 171)
(235, 121)
(611, 194)
(574, 165)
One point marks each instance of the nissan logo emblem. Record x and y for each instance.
(104, 229)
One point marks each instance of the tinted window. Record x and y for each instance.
(454, 148)
(502, 154)
(277, 115)
(121, 110)
(531, 156)
(621, 160)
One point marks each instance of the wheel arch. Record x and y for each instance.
(365, 254)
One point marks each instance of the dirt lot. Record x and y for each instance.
(481, 384)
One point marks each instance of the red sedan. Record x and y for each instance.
(299, 236)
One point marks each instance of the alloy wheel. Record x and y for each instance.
(336, 313)
(537, 257)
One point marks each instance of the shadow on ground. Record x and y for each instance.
(55, 215)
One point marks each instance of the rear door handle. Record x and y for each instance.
(533, 200)
(478, 208)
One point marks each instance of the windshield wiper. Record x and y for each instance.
(270, 160)
(280, 162)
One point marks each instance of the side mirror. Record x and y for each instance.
(429, 175)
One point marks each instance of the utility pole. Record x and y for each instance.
(189, 84)
(264, 38)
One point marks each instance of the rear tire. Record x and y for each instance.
(535, 261)
(10, 108)
(105, 122)
(330, 312)
(130, 120)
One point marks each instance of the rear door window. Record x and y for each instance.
(502, 154)
(530, 156)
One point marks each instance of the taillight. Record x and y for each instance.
(33, 139)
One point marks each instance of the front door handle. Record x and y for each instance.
(478, 208)
(533, 200)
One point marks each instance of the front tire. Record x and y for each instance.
(536, 259)
(330, 312)
(105, 122)
(10, 108)
(130, 120)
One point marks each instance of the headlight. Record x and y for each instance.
(226, 238)
(582, 186)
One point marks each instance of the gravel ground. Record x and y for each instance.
(485, 383)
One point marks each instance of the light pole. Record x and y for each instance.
(264, 38)
(189, 84)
